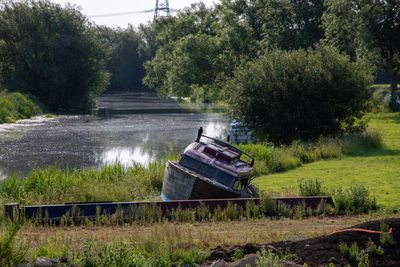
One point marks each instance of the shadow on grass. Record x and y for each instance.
(389, 117)
(375, 152)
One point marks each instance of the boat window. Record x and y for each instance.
(207, 170)
(189, 163)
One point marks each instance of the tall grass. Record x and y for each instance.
(15, 106)
(273, 159)
(12, 251)
(111, 183)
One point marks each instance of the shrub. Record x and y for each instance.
(267, 204)
(362, 258)
(15, 106)
(356, 199)
(324, 208)
(267, 259)
(299, 95)
(311, 187)
(237, 255)
(385, 238)
(283, 210)
(351, 252)
(373, 249)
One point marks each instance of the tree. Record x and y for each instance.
(53, 53)
(304, 94)
(342, 26)
(127, 55)
(198, 51)
(286, 24)
(381, 34)
(368, 25)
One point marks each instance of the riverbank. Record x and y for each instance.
(377, 168)
(15, 106)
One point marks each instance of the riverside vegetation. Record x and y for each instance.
(15, 106)
(116, 183)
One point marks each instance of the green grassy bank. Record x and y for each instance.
(376, 168)
(15, 106)
(110, 183)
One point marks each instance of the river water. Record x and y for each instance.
(92, 141)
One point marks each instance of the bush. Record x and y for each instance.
(356, 199)
(373, 249)
(385, 238)
(311, 187)
(15, 106)
(267, 259)
(299, 95)
(351, 252)
(267, 204)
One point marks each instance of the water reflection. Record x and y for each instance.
(126, 156)
(155, 146)
(216, 130)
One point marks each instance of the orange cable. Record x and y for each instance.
(361, 230)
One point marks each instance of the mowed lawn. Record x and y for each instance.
(377, 169)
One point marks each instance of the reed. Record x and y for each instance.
(111, 183)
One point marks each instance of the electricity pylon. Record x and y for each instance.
(162, 9)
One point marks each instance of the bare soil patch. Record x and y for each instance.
(325, 249)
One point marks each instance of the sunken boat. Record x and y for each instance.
(209, 170)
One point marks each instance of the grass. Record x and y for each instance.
(378, 169)
(15, 106)
(164, 241)
(112, 183)
(273, 159)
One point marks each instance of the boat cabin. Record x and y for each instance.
(219, 161)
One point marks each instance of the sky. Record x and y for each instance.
(92, 8)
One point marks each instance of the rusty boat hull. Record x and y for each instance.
(181, 183)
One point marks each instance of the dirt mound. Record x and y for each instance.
(324, 249)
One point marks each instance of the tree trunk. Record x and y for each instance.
(393, 86)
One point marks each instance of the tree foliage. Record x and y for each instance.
(290, 24)
(201, 47)
(301, 94)
(51, 52)
(128, 51)
(369, 26)
(197, 51)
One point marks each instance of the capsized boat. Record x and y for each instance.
(209, 171)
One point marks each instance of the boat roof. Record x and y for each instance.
(219, 156)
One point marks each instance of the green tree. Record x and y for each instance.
(289, 24)
(370, 26)
(198, 51)
(304, 94)
(53, 53)
(342, 26)
(127, 55)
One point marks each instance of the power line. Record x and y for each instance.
(129, 13)
(122, 13)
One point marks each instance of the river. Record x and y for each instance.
(86, 141)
